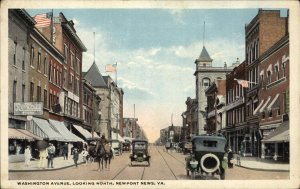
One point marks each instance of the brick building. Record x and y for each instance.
(273, 111)
(216, 100)
(265, 29)
(236, 127)
(189, 119)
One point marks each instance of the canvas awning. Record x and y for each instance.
(273, 102)
(258, 107)
(86, 134)
(65, 133)
(279, 135)
(264, 106)
(21, 134)
(45, 126)
(96, 135)
(117, 136)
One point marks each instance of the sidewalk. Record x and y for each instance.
(58, 163)
(263, 164)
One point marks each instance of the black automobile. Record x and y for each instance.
(126, 146)
(207, 157)
(139, 151)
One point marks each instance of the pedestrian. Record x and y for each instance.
(75, 156)
(230, 157)
(238, 158)
(27, 154)
(43, 156)
(85, 155)
(65, 151)
(51, 153)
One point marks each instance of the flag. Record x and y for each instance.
(244, 83)
(43, 20)
(111, 67)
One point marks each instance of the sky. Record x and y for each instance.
(155, 50)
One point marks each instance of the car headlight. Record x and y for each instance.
(144, 156)
(135, 156)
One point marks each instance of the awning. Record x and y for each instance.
(264, 106)
(279, 135)
(96, 135)
(47, 129)
(15, 134)
(65, 133)
(260, 104)
(117, 136)
(30, 134)
(87, 135)
(273, 101)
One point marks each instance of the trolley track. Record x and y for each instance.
(167, 164)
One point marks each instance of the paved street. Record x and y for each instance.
(164, 166)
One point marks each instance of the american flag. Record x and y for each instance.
(111, 67)
(43, 20)
(244, 83)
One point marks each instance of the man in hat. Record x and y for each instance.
(65, 150)
(51, 153)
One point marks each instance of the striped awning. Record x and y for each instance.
(22, 134)
(86, 134)
(65, 133)
(47, 129)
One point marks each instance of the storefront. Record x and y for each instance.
(276, 144)
(18, 139)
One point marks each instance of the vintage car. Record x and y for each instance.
(117, 147)
(207, 157)
(139, 151)
(126, 146)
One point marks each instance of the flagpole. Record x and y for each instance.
(116, 75)
(51, 25)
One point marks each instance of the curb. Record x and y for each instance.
(46, 169)
(260, 169)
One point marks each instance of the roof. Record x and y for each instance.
(95, 77)
(139, 140)
(204, 56)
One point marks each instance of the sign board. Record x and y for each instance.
(28, 108)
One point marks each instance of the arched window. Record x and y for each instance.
(205, 82)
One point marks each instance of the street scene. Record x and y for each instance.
(166, 166)
(148, 94)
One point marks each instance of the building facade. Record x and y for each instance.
(216, 99)
(265, 29)
(273, 111)
(236, 126)
(189, 119)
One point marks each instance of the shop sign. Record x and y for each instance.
(28, 108)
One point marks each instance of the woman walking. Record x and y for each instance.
(27, 156)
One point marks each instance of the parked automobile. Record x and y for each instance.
(126, 146)
(117, 147)
(208, 156)
(139, 151)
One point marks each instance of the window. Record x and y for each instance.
(39, 94)
(31, 91)
(15, 53)
(283, 69)
(23, 58)
(31, 56)
(278, 112)
(71, 82)
(263, 115)
(269, 77)
(60, 81)
(54, 75)
(276, 72)
(50, 71)
(45, 98)
(23, 93)
(78, 65)
(66, 53)
(39, 62)
(262, 80)
(270, 113)
(15, 91)
(75, 86)
(50, 101)
(206, 82)
(45, 65)
(65, 78)
(72, 59)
